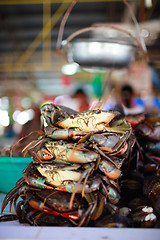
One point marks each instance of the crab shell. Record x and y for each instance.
(58, 177)
(91, 120)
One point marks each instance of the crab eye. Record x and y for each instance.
(97, 111)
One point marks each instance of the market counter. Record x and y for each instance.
(15, 230)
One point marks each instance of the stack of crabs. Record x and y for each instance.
(84, 173)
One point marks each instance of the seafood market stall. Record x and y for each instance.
(91, 174)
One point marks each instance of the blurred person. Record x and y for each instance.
(81, 97)
(78, 101)
(31, 125)
(28, 133)
(154, 76)
(128, 101)
(122, 102)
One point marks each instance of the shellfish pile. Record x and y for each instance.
(83, 165)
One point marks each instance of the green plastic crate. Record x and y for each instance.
(11, 171)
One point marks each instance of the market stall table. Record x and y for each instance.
(15, 230)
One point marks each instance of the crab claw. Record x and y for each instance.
(109, 170)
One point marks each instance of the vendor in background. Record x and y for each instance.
(128, 102)
(81, 97)
(78, 101)
(31, 125)
(154, 76)
(28, 133)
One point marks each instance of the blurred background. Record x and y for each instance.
(32, 72)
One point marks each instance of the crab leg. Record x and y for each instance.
(39, 205)
(12, 194)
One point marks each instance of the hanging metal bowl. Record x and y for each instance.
(100, 53)
(103, 53)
